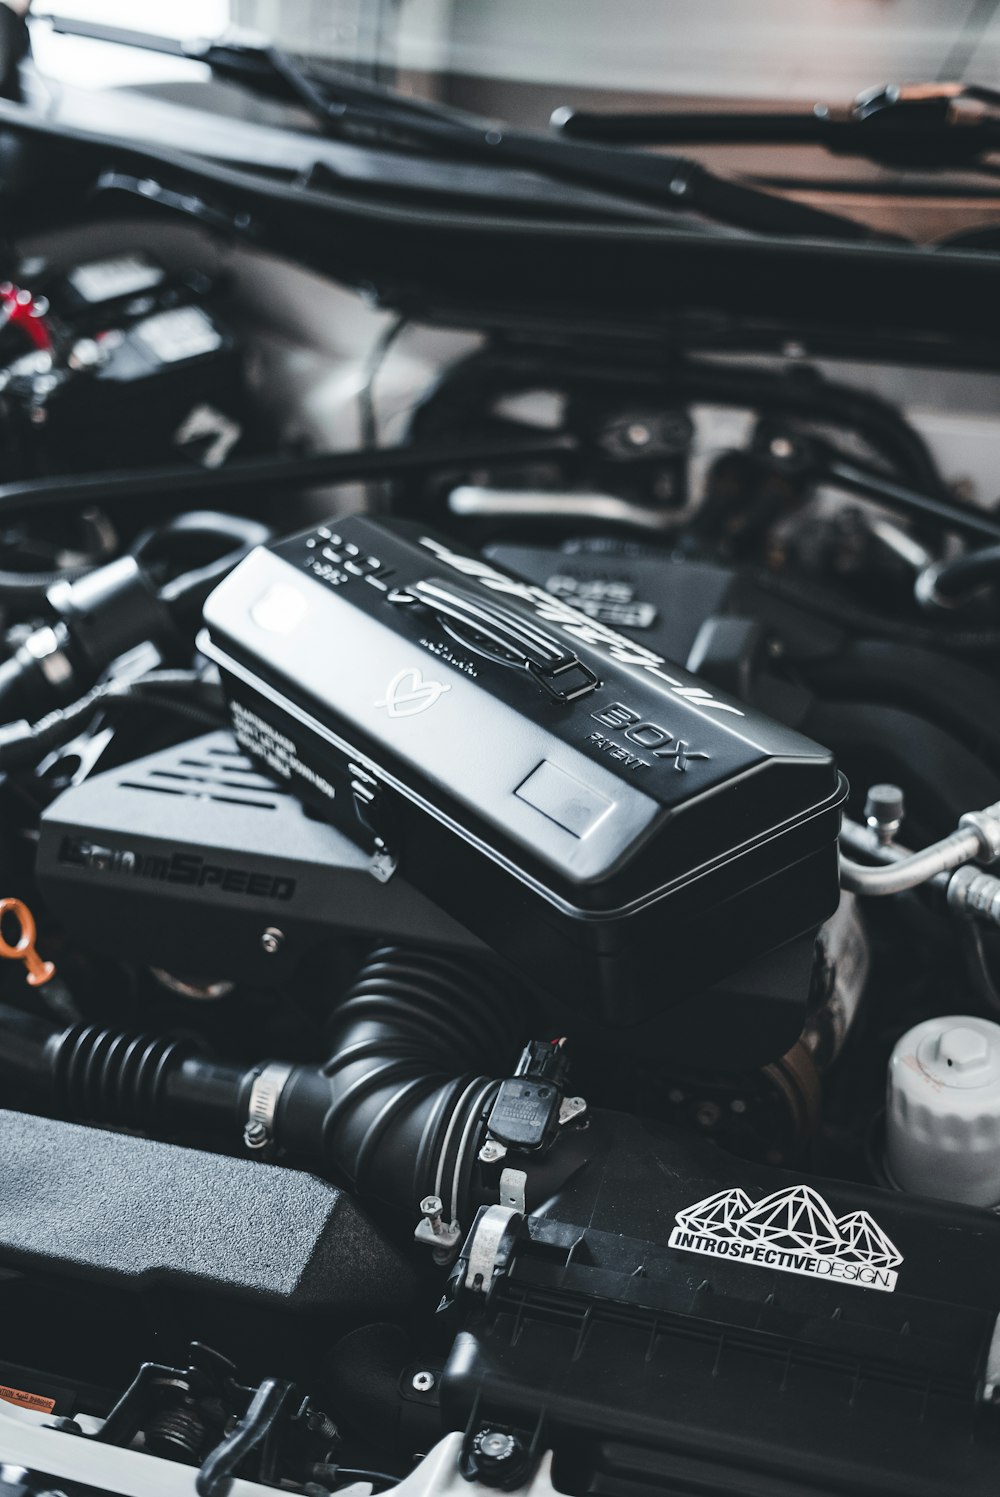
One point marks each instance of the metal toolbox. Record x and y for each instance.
(617, 830)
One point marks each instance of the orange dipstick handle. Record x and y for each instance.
(37, 970)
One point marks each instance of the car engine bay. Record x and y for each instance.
(502, 968)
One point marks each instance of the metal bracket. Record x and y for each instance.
(571, 1109)
(513, 1184)
(484, 1248)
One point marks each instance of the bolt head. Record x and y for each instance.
(431, 1206)
(255, 1135)
(423, 1382)
(495, 1446)
(272, 940)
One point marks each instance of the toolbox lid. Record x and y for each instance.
(595, 769)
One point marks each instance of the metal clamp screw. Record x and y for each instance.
(431, 1208)
(265, 1093)
(433, 1231)
(255, 1136)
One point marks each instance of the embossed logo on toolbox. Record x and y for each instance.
(408, 693)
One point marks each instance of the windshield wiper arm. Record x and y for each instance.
(368, 114)
(916, 126)
(668, 182)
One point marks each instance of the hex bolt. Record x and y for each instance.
(492, 1152)
(422, 1382)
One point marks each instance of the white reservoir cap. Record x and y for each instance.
(943, 1111)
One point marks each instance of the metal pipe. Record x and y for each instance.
(912, 870)
(976, 840)
(969, 890)
(479, 501)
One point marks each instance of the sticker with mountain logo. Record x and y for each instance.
(793, 1230)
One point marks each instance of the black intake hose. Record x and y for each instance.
(394, 1114)
(395, 1109)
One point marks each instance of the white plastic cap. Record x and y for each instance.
(943, 1111)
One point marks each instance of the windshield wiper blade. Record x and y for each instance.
(372, 115)
(916, 126)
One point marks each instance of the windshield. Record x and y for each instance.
(512, 54)
(518, 61)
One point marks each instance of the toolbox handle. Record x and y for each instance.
(516, 640)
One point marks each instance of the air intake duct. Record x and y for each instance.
(395, 1114)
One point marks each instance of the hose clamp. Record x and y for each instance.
(491, 1245)
(265, 1094)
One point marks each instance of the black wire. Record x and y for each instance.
(205, 717)
(31, 587)
(361, 1473)
(376, 359)
(248, 475)
(26, 743)
(237, 534)
(826, 604)
(858, 480)
(199, 525)
(471, 384)
(978, 967)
